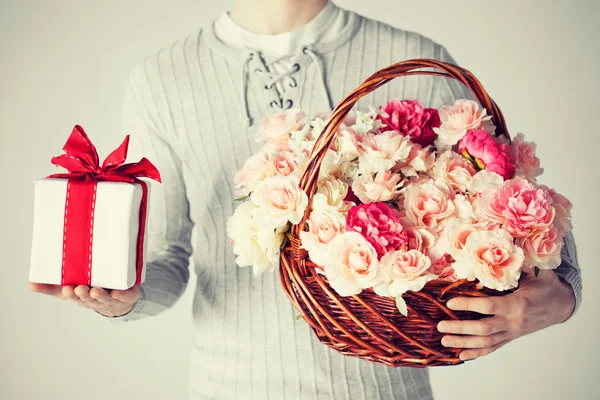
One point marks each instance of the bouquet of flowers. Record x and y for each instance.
(405, 195)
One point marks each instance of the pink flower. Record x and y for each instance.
(443, 268)
(456, 120)
(479, 147)
(520, 207)
(542, 249)
(563, 207)
(377, 223)
(429, 204)
(492, 258)
(522, 155)
(411, 119)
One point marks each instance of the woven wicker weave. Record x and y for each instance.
(367, 325)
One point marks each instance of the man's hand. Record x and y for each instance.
(539, 302)
(110, 303)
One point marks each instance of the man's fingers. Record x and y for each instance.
(474, 342)
(481, 305)
(101, 295)
(476, 353)
(483, 327)
(68, 293)
(44, 288)
(125, 296)
(82, 291)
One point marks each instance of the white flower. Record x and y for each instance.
(325, 222)
(384, 186)
(352, 264)
(366, 122)
(334, 190)
(334, 165)
(280, 201)
(255, 246)
(383, 151)
(277, 128)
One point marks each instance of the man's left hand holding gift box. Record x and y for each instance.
(89, 226)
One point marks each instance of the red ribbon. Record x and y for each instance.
(82, 162)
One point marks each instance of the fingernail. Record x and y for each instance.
(442, 326)
(446, 341)
(451, 304)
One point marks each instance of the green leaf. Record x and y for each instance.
(536, 271)
(243, 197)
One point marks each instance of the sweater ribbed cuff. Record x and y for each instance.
(572, 276)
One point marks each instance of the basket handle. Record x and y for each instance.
(308, 182)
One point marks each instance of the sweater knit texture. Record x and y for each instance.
(194, 108)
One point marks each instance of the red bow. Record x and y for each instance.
(82, 162)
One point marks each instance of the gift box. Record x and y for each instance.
(90, 223)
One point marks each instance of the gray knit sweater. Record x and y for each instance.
(192, 104)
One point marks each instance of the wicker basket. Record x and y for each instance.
(367, 325)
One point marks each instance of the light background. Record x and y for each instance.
(64, 62)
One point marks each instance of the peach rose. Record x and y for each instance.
(420, 239)
(352, 264)
(522, 155)
(383, 151)
(278, 128)
(403, 271)
(280, 201)
(255, 170)
(542, 249)
(454, 168)
(521, 208)
(324, 223)
(492, 258)
(457, 120)
(384, 186)
(429, 204)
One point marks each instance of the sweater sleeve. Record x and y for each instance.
(449, 90)
(169, 225)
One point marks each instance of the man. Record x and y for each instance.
(196, 106)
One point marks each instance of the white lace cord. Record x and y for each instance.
(246, 76)
(319, 63)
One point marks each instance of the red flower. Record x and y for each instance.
(411, 119)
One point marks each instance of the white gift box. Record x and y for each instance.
(114, 241)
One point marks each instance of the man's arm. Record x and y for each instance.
(448, 91)
(169, 224)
